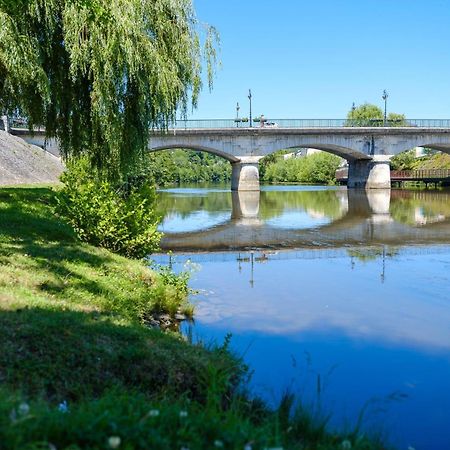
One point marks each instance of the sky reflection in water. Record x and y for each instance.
(375, 304)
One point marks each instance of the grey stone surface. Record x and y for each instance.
(245, 175)
(369, 174)
(22, 163)
(347, 142)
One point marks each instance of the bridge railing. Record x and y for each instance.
(423, 174)
(404, 175)
(307, 123)
(189, 124)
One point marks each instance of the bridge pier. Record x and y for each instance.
(5, 121)
(245, 174)
(369, 173)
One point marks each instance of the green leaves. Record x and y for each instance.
(369, 115)
(122, 221)
(99, 74)
(317, 168)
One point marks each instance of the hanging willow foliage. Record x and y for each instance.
(99, 74)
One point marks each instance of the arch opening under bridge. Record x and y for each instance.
(245, 164)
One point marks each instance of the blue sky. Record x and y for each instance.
(312, 59)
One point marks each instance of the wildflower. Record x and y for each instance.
(218, 443)
(346, 445)
(153, 413)
(247, 447)
(184, 448)
(183, 414)
(114, 442)
(63, 407)
(24, 409)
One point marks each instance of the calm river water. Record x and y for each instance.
(341, 296)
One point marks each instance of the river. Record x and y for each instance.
(340, 296)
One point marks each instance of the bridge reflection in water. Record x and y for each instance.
(350, 218)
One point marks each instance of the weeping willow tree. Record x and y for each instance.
(99, 74)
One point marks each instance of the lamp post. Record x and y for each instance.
(385, 97)
(237, 114)
(250, 99)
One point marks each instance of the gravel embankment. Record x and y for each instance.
(22, 163)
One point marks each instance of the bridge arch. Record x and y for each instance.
(343, 152)
(198, 148)
(440, 142)
(444, 148)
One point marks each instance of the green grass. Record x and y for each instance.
(72, 315)
(72, 331)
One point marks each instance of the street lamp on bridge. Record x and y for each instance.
(250, 99)
(385, 97)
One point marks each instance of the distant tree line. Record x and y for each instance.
(318, 168)
(186, 166)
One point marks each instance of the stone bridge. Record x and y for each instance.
(367, 149)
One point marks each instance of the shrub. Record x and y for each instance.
(404, 161)
(318, 168)
(119, 218)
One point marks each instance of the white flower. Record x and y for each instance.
(218, 443)
(24, 409)
(63, 407)
(114, 442)
(346, 445)
(247, 447)
(183, 414)
(153, 413)
(184, 448)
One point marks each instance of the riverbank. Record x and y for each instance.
(80, 368)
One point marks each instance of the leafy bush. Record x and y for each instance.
(318, 168)
(121, 219)
(404, 161)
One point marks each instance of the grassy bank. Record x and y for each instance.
(79, 368)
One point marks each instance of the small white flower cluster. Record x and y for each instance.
(346, 445)
(63, 407)
(153, 413)
(114, 442)
(22, 410)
